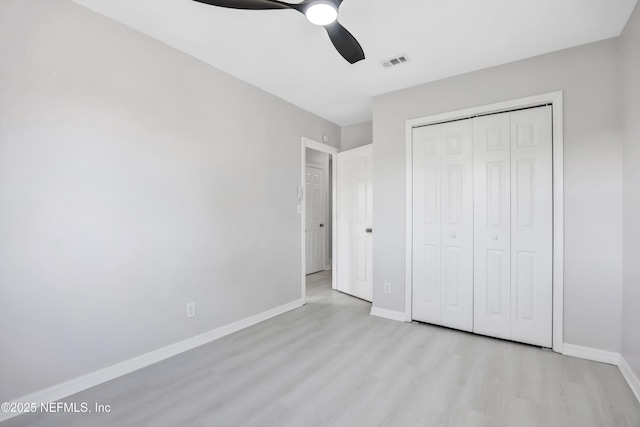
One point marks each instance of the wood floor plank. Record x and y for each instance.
(329, 363)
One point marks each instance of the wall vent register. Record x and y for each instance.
(397, 60)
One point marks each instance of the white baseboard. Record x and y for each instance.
(630, 376)
(609, 357)
(591, 354)
(388, 314)
(84, 382)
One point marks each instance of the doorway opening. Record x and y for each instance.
(316, 203)
(317, 211)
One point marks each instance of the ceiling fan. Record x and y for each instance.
(319, 12)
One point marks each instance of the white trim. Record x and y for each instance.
(558, 221)
(529, 101)
(388, 314)
(93, 379)
(630, 376)
(408, 292)
(332, 151)
(554, 98)
(603, 356)
(319, 146)
(590, 353)
(334, 221)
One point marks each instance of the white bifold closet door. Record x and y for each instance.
(513, 227)
(482, 225)
(443, 225)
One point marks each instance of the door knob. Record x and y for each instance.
(321, 225)
(453, 235)
(495, 237)
(369, 230)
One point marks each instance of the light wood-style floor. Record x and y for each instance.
(330, 363)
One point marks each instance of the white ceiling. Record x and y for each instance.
(282, 53)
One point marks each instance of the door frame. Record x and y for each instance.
(331, 151)
(552, 98)
(325, 202)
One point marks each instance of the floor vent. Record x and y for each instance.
(392, 62)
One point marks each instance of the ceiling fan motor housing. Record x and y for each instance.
(321, 12)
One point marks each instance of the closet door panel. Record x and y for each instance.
(531, 226)
(456, 225)
(426, 224)
(492, 224)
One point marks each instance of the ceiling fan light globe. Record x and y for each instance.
(321, 13)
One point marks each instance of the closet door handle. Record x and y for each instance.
(453, 235)
(369, 230)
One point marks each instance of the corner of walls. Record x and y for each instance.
(629, 59)
(608, 357)
(630, 375)
(356, 135)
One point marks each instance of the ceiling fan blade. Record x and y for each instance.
(304, 4)
(345, 43)
(247, 4)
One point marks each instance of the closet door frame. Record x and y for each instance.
(552, 98)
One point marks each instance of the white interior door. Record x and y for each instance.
(426, 224)
(354, 222)
(315, 220)
(513, 226)
(443, 224)
(492, 225)
(531, 226)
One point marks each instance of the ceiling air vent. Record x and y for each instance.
(392, 62)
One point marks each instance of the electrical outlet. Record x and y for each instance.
(191, 309)
(387, 287)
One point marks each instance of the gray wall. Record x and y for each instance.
(630, 94)
(588, 75)
(133, 179)
(357, 135)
